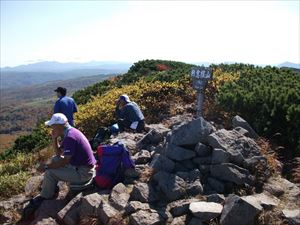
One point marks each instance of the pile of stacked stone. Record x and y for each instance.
(188, 173)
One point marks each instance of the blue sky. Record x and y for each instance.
(259, 32)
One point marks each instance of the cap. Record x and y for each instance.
(125, 98)
(57, 118)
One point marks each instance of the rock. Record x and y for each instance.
(156, 135)
(191, 133)
(195, 221)
(220, 156)
(180, 207)
(106, 212)
(194, 188)
(179, 220)
(13, 201)
(142, 217)
(162, 163)
(232, 173)
(238, 121)
(190, 176)
(202, 150)
(205, 211)
(217, 198)
(142, 157)
(172, 186)
(48, 208)
(204, 169)
(215, 184)
(267, 201)
(119, 196)
(178, 153)
(48, 221)
(143, 192)
(242, 131)
(239, 211)
(291, 191)
(33, 185)
(134, 206)
(70, 213)
(129, 140)
(189, 164)
(238, 146)
(202, 160)
(274, 190)
(90, 205)
(293, 216)
(255, 160)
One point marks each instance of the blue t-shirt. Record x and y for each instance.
(66, 106)
(131, 113)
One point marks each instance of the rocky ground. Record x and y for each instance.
(187, 172)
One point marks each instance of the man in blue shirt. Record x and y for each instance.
(65, 105)
(129, 116)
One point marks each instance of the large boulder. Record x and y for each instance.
(162, 163)
(238, 210)
(119, 196)
(172, 186)
(129, 140)
(238, 121)
(205, 211)
(178, 153)
(232, 173)
(237, 145)
(143, 192)
(192, 132)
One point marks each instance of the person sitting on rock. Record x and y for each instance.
(130, 116)
(74, 161)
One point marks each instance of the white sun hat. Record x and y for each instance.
(57, 118)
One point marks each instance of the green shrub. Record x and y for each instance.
(269, 99)
(13, 184)
(38, 139)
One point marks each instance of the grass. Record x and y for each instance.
(15, 172)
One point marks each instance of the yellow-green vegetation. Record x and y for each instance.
(156, 99)
(13, 184)
(15, 172)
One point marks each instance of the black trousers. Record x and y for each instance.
(125, 124)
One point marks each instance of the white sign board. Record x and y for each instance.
(200, 77)
(204, 73)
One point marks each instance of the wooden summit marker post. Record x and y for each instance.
(200, 76)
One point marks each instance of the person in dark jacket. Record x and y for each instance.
(65, 105)
(130, 116)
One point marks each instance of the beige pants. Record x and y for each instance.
(68, 173)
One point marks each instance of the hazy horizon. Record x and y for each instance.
(254, 32)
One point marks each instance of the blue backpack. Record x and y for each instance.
(113, 160)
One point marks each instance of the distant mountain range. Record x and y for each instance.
(38, 73)
(41, 72)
